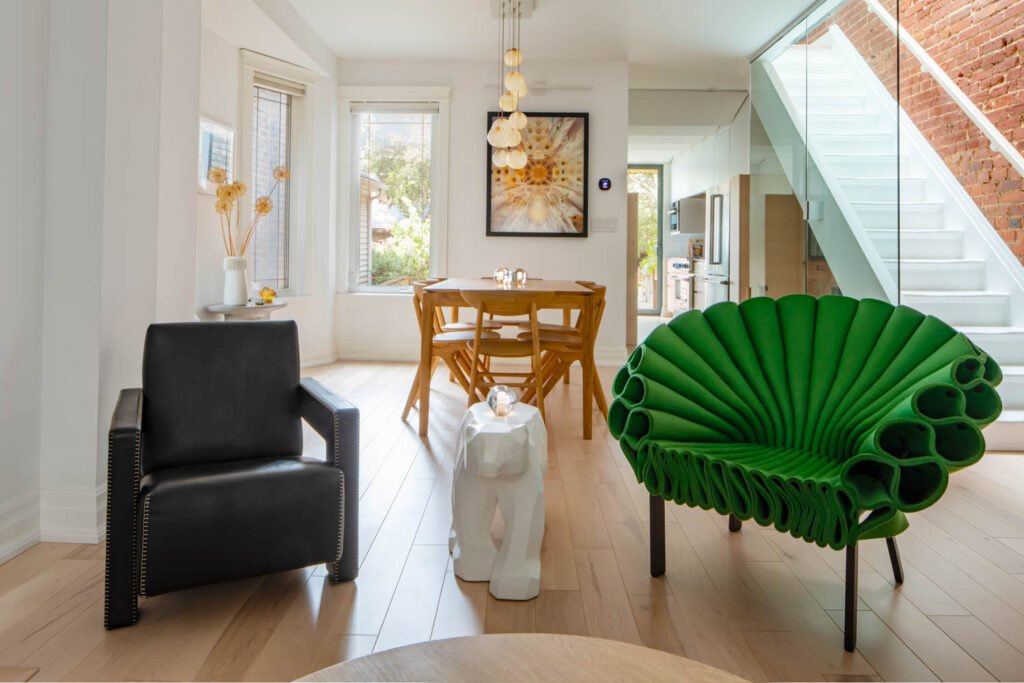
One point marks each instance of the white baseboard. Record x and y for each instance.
(322, 355)
(73, 515)
(19, 525)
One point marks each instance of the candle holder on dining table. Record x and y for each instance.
(508, 278)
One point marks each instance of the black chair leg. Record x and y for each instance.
(734, 523)
(657, 535)
(850, 629)
(894, 558)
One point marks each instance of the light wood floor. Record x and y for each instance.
(758, 603)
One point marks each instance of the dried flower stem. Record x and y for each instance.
(251, 229)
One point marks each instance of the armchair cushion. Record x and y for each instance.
(217, 393)
(204, 523)
(805, 413)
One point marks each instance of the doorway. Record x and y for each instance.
(647, 182)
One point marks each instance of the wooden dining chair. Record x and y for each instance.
(564, 345)
(450, 347)
(511, 302)
(567, 326)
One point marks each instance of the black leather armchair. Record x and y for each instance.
(206, 480)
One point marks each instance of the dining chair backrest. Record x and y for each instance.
(508, 301)
(417, 302)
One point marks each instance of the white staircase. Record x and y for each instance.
(951, 262)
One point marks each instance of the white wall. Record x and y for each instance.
(23, 48)
(470, 253)
(219, 99)
(122, 91)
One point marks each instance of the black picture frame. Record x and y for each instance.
(585, 116)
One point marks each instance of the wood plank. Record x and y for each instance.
(586, 523)
(173, 637)
(80, 582)
(917, 587)
(559, 611)
(509, 616)
(70, 645)
(725, 560)
(660, 624)
(631, 543)
(361, 605)
(17, 673)
(884, 650)
(605, 603)
(557, 561)
(461, 608)
(248, 632)
(937, 650)
(718, 639)
(410, 617)
(783, 655)
(806, 619)
(1001, 659)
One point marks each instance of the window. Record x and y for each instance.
(278, 101)
(271, 146)
(395, 189)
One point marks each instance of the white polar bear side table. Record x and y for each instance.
(499, 461)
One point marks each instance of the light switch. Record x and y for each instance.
(604, 224)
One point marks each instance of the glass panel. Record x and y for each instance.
(271, 126)
(778, 167)
(395, 198)
(823, 102)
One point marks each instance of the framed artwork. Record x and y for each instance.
(216, 148)
(547, 197)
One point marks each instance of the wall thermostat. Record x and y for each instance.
(604, 183)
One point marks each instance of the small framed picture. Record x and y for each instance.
(216, 149)
(696, 249)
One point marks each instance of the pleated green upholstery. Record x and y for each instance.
(805, 413)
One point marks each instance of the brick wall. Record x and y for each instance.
(978, 43)
(820, 280)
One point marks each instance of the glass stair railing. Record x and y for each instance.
(890, 217)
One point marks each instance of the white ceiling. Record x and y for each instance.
(686, 35)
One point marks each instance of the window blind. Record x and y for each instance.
(263, 80)
(395, 108)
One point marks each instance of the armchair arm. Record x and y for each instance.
(124, 454)
(337, 421)
(930, 428)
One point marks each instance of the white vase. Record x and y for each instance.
(235, 290)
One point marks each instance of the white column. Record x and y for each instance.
(119, 251)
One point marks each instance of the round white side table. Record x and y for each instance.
(249, 312)
(499, 463)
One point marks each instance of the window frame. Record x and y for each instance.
(300, 157)
(348, 175)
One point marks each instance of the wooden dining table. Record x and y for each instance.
(568, 296)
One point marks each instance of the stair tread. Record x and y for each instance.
(888, 203)
(918, 231)
(953, 293)
(936, 261)
(986, 329)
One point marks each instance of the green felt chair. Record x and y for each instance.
(828, 418)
